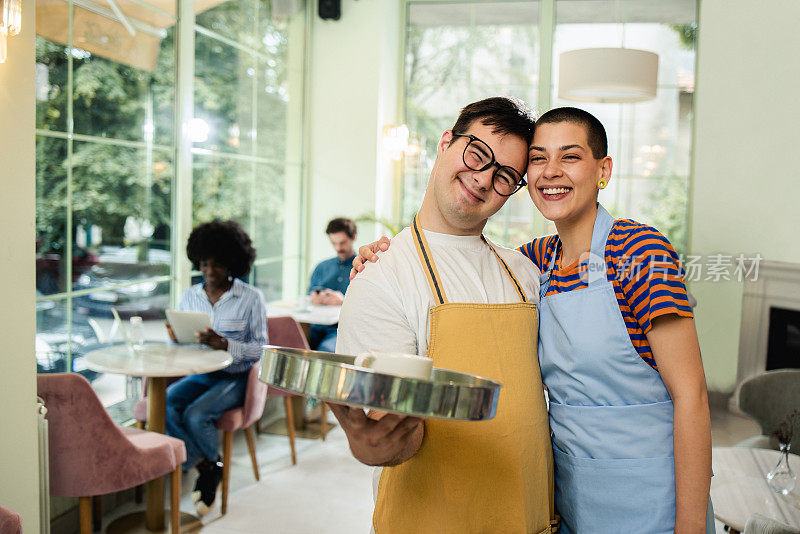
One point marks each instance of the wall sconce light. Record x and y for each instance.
(414, 148)
(10, 24)
(395, 141)
(12, 16)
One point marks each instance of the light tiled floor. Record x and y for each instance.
(343, 487)
(328, 491)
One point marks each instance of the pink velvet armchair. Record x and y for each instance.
(242, 418)
(10, 521)
(286, 332)
(282, 331)
(91, 455)
(239, 418)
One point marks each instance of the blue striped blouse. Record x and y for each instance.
(240, 316)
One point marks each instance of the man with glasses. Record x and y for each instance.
(445, 291)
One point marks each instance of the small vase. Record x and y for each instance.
(781, 479)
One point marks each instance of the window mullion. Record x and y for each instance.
(182, 180)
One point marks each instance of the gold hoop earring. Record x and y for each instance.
(601, 184)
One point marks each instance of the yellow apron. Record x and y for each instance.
(491, 476)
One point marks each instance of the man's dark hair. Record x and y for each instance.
(341, 224)
(595, 132)
(506, 116)
(224, 241)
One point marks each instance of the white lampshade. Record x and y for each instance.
(607, 75)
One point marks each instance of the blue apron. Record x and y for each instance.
(610, 413)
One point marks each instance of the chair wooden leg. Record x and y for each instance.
(251, 446)
(97, 513)
(175, 501)
(85, 514)
(226, 468)
(287, 402)
(324, 420)
(258, 423)
(140, 425)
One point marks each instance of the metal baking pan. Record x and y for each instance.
(334, 378)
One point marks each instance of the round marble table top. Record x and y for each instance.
(739, 487)
(156, 359)
(313, 314)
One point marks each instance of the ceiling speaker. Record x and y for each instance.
(330, 9)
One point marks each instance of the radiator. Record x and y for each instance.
(44, 468)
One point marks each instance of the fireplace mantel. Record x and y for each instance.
(778, 285)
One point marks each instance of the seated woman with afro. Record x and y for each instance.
(224, 254)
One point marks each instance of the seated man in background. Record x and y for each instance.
(330, 279)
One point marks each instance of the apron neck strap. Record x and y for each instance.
(554, 255)
(429, 267)
(427, 262)
(507, 270)
(602, 227)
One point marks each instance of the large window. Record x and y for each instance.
(245, 166)
(651, 141)
(108, 154)
(456, 53)
(460, 52)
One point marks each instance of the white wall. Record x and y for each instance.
(19, 471)
(353, 81)
(746, 196)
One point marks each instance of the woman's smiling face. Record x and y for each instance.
(214, 273)
(563, 174)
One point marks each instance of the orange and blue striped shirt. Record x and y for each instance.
(643, 267)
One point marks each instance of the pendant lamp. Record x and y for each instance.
(607, 75)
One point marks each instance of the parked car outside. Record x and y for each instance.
(119, 265)
(49, 268)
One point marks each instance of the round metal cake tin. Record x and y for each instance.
(334, 378)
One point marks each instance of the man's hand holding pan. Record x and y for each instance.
(379, 438)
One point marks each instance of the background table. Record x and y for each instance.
(325, 315)
(157, 362)
(739, 487)
(315, 314)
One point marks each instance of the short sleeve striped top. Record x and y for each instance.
(643, 267)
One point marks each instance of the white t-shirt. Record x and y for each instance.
(388, 304)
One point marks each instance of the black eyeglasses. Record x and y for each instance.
(478, 156)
